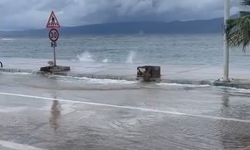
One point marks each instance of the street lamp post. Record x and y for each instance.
(226, 47)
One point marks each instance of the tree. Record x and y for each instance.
(238, 29)
(245, 2)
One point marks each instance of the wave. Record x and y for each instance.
(105, 60)
(103, 79)
(131, 57)
(7, 39)
(17, 71)
(245, 91)
(236, 90)
(109, 79)
(184, 85)
(85, 57)
(98, 81)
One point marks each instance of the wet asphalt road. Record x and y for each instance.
(53, 113)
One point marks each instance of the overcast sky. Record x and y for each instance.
(26, 14)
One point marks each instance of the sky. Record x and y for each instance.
(33, 14)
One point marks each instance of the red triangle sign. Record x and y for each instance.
(53, 23)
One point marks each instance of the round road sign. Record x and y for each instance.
(53, 35)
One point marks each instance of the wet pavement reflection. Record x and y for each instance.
(225, 99)
(148, 118)
(55, 115)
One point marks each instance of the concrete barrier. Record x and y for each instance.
(236, 83)
(55, 69)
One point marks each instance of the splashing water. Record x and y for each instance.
(105, 60)
(131, 57)
(85, 57)
(7, 39)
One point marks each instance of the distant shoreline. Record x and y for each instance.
(125, 28)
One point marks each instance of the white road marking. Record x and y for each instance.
(16, 146)
(127, 107)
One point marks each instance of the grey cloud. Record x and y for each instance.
(25, 14)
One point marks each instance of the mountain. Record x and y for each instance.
(176, 27)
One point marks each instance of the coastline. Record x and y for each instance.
(192, 74)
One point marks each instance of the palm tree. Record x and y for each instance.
(238, 29)
(245, 2)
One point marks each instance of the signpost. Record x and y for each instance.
(53, 26)
(54, 36)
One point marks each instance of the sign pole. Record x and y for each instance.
(53, 36)
(53, 25)
(54, 47)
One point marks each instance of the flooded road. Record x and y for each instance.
(56, 113)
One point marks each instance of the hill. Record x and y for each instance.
(176, 27)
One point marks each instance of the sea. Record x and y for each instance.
(174, 53)
(186, 49)
(100, 105)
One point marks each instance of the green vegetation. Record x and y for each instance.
(238, 29)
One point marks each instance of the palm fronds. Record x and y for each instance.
(238, 29)
(238, 32)
(245, 2)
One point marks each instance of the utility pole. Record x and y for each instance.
(226, 47)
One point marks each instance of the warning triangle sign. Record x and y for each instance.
(53, 23)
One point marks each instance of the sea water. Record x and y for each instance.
(178, 55)
(162, 49)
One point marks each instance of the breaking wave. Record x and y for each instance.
(184, 85)
(7, 39)
(85, 57)
(105, 60)
(99, 81)
(105, 79)
(131, 57)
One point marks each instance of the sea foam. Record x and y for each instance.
(85, 57)
(131, 57)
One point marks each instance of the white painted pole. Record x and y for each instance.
(226, 47)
